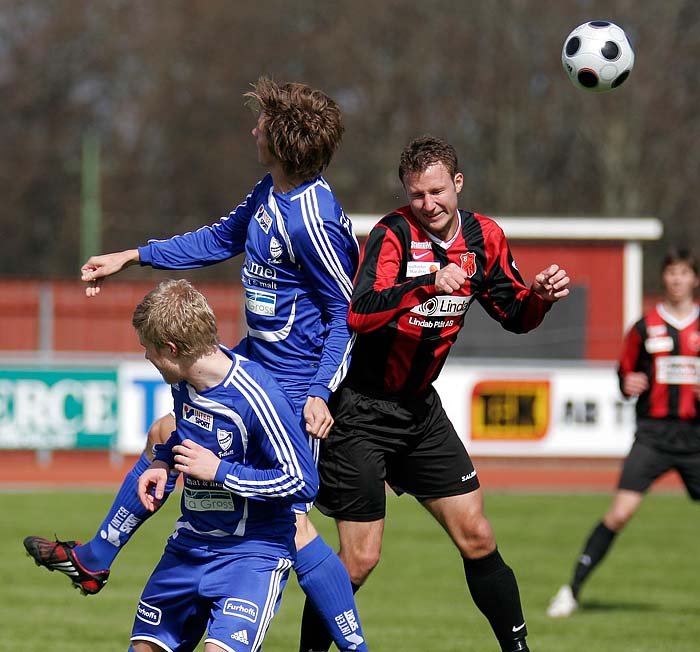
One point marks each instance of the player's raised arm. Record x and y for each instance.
(97, 268)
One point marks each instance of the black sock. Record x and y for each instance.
(596, 547)
(494, 590)
(314, 636)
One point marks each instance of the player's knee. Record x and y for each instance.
(144, 646)
(160, 432)
(617, 518)
(360, 562)
(476, 538)
(305, 531)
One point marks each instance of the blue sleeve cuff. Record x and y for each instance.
(224, 469)
(321, 391)
(163, 453)
(145, 255)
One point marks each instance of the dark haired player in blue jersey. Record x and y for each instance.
(660, 366)
(245, 459)
(300, 259)
(422, 267)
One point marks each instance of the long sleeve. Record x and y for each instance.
(378, 298)
(506, 297)
(328, 252)
(278, 463)
(205, 246)
(631, 353)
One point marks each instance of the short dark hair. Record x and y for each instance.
(675, 254)
(303, 126)
(424, 151)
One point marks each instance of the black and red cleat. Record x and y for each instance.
(58, 555)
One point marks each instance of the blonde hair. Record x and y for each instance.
(303, 126)
(176, 312)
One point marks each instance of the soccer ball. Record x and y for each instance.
(597, 56)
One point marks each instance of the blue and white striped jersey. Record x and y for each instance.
(300, 259)
(266, 464)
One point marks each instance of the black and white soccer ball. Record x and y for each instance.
(598, 56)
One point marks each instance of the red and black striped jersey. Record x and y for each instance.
(404, 327)
(667, 351)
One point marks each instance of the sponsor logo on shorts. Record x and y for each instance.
(198, 417)
(260, 303)
(148, 613)
(241, 608)
(263, 219)
(241, 636)
(469, 476)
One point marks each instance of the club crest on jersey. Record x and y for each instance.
(263, 219)
(694, 341)
(275, 250)
(225, 438)
(468, 263)
(197, 417)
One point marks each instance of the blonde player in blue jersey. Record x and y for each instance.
(300, 258)
(244, 458)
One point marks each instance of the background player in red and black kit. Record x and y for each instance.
(660, 364)
(422, 267)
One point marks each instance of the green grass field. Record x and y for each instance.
(644, 598)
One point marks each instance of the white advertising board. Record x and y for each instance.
(515, 410)
(526, 409)
(143, 397)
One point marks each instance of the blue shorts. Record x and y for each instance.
(231, 595)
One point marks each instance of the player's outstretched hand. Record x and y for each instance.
(552, 283)
(317, 417)
(97, 268)
(195, 460)
(151, 486)
(449, 279)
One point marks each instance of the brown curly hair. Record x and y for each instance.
(303, 126)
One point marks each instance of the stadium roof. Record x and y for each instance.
(537, 227)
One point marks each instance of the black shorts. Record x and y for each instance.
(412, 446)
(646, 462)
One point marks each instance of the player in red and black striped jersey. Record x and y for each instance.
(407, 323)
(660, 365)
(422, 267)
